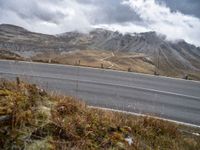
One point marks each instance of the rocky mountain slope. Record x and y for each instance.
(178, 54)
(174, 57)
(14, 38)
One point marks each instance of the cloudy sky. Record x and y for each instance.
(177, 19)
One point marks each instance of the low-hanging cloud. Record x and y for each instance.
(158, 17)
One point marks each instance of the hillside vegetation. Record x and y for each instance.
(30, 118)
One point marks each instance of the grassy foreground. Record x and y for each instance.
(34, 120)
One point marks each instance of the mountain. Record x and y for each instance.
(174, 55)
(165, 55)
(15, 38)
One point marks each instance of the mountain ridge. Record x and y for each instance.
(173, 56)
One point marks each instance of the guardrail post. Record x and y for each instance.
(102, 66)
(18, 80)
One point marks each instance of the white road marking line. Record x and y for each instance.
(143, 115)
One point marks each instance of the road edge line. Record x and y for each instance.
(144, 115)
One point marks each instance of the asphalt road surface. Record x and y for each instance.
(168, 98)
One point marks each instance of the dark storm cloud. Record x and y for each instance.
(111, 11)
(191, 7)
(31, 10)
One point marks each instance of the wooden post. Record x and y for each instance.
(186, 77)
(18, 80)
(102, 66)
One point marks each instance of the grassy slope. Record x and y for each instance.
(32, 119)
(135, 62)
(93, 58)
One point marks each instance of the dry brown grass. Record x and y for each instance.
(38, 120)
(9, 55)
(123, 61)
(92, 58)
(194, 76)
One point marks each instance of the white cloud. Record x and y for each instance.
(46, 16)
(161, 19)
(124, 28)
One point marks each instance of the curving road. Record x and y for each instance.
(168, 98)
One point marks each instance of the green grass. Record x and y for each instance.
(38, 120)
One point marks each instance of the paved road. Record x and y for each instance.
(160, 96)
